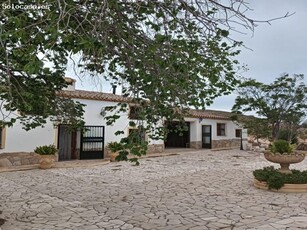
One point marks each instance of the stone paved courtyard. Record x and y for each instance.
(192, 190)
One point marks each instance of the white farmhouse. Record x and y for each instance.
(207, 129)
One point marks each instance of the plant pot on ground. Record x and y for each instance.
(47, 154)
(281, 152)
(114, 149)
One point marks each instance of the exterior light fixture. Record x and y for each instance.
(103, 111)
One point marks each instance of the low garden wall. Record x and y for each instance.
(19, 159)
(219, 144)
(230, 143)
(155, 148)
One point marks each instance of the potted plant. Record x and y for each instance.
(283, 153)
(47, 153)
(114, 149)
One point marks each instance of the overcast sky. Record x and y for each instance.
(277, 48)
(273, 49)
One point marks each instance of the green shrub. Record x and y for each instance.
(281, 146)
(276, 179)
(115, 146)
(298, 177)
(263, 174)
(284, 134)
(46, 150)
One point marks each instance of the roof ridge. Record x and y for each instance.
(101, 96)
(92, 95)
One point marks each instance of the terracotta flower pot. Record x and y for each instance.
(46, 161)
(113, 155)
(284, 159)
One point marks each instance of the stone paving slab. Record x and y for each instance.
(194, 190)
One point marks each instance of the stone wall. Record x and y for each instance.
(257, 145)
(20, 158)
(302, 147)
(155, 148)
(225, 144)
(218, 144)
(195, 144)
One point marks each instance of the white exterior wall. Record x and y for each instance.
(19, 140)
(196, 129)
(92, 117)
(230, 129)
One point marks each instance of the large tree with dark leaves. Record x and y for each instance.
(282, 104)
(172, 54)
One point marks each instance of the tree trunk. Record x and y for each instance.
(275, 131)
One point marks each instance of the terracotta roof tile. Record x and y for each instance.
(90, 95)
(211, 114)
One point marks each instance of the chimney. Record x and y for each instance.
(114, 89)
(71, 84)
